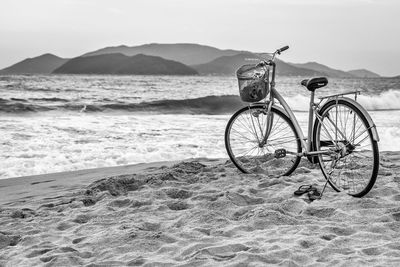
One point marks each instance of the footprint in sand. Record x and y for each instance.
(220, 253)
(372, 251)
(396, 216)
(328, 237)
(178, 205)
(64, 226)
(89, 201)
(120, 203)
(302, 170)
(150, 226)
(78, 240)
(340, 231)
(307, 243)
(116, 186)
(243, 200)
(320, 212)
(67, 249)
(208, 197)
(82, 218)
(22, 213)
(396, 197)
(38, 252)
(139, 203)
(48, 259)
(7, 239)
(53, 255)
(384, 172)
(178, 193)
(48, 205)
(239, 213)
(139, 261)
(269, 182)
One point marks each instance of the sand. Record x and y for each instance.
(199, 212)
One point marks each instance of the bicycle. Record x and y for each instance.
(266, 138)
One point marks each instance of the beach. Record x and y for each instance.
(133, 171)
(196, 212)
(147, 133)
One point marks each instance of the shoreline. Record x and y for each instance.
(14, 188)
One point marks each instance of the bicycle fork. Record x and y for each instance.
(270, 119)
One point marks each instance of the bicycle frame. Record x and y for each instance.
(306, 143)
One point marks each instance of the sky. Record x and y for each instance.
(342, 34)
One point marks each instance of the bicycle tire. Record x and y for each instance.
(247, 167)
(358, 160)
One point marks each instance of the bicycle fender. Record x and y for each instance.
(375, 135)
(281, 110)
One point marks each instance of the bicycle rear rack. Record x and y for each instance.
(357, 92)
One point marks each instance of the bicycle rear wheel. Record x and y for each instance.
(244, 136)
(352, 160)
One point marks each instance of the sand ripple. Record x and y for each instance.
(206, 213)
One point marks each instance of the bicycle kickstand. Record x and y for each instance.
(323, 189)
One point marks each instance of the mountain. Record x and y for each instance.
(201, 58)
(43, 64)
(189, 54)
(363, 73)
(324, 69)
(121, 64)
(227, 65)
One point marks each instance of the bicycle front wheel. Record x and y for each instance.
(258, 143)
(351, 161)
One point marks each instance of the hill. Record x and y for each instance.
(204, 59)
(227, 65)
(121, 64)
(189, 54)
(323, 69)
(43, 64)
(363, 73)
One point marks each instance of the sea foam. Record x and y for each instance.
(44, 144)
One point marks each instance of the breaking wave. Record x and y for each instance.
(202, 105)
(389, 100)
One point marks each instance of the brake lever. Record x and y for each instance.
(261, 64)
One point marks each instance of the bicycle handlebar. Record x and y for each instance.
(272, 60)
(280, 50)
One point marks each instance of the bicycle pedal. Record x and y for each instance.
(280, 153)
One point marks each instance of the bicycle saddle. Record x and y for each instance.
(314, 83)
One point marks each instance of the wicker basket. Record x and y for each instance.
(253, 83)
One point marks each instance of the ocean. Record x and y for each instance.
(53, 123)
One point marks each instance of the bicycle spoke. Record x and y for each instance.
(247, 131)
(350, 168)
(242, 135)
(247, 126)
(284, 142)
